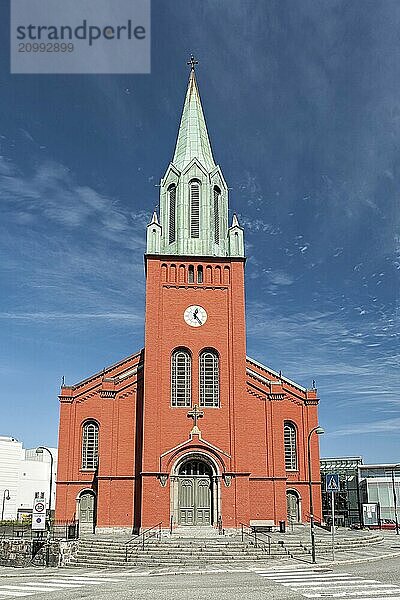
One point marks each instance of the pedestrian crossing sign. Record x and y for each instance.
(332, 482)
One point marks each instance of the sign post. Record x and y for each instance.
(39, 512)
(332, 485)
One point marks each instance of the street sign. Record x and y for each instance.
(332, 482)
(39, 512)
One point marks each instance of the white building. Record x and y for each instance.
(22, 473)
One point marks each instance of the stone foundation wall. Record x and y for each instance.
(15, 552)
(67, 551)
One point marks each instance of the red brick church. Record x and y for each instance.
(189, 430)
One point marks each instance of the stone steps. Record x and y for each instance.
(191, 552)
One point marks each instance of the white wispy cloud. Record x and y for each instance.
(75, 254)
(65, 316)
(376, 427)
(52, 193)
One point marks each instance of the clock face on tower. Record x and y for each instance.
(195, 316)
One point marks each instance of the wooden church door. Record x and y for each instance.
(293, 507)
(86, 509)
(195, 494)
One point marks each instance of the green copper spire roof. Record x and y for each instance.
(193, 194)
(193, 141)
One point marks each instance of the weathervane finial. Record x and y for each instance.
(192, 62)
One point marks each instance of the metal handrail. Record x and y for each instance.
(142, 537)
(221, 530)
(253, 534)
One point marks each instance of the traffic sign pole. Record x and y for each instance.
(333, 524)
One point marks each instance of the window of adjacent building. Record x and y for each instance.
(90, 445)
(217, 195)
(200, 274)
(172, 212)
(191, 274)
(209, 378)
(289, 435)
(181, 378)
(194, 187)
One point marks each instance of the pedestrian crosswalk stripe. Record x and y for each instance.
(85, 581)
(369, 598)
(99, 579)
(318, 583)
(55, 584)
(354, 595)
(5, 593)
(390, 588)
(337, 581)
(49, 584)
(291, 571)
(293, 576)
(25, 588)
(323, 584)
(64, 582)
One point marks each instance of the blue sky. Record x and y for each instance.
(302, 101)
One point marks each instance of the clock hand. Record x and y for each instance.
(197, 318)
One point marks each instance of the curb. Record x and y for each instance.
(360, 560)
(46, 572)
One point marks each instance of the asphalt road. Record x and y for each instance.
(365, 581)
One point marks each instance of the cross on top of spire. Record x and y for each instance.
(192, 62)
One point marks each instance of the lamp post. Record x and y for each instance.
(318, 430)
(395, 498)
(8, 497)
(39, 450)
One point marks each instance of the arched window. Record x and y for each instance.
(200, 274)
(172, 211)
(217, 195)
(181, 378)
(209, 378)
(90, 445)
(191, 274)
(194, 187)
(289, 437)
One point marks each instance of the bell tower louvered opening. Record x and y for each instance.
(194, 188)
(217, 194)
(172, 213)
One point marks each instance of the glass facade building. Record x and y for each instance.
(360, 484)
(376, 487)
(347, 500)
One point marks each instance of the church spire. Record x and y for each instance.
(193, 193)
(193, 141)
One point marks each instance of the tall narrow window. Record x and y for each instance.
(181, 378)
(217, 194)
(194, 209)
(90, 445)
(289, 437)
(200, 274)
(209, 378)
(172, 212)
(191, 274)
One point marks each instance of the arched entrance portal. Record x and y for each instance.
(195, 498)
(194, 485)
(86, 510)
(293, 506)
